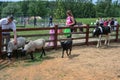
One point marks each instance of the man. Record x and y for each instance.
(8, 23)
(50, 21)
(35, 21)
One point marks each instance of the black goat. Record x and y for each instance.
(67, 46)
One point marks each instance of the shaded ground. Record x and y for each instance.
(86, 63)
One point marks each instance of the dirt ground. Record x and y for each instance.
(85, 63)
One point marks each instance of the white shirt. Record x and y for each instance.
(4, 24)
(115, 23)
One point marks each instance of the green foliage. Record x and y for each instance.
(35, 10)
(59, 11)
(105, 8)
(24, 7)
(11, 8)
(58, 8)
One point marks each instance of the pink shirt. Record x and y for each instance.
(68, 20)
(105, 23)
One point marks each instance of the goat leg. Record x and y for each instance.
(62, 53)
(108, 38)
(70, 52)
(43, 51)
(67, 52)
(99, 41)
(105, 43)
(31, 54)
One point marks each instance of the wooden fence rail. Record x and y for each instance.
(87, 30)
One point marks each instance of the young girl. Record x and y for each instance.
(70, 22)
(51, 32)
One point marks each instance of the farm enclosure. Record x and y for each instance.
(86, 34)
(85, 63)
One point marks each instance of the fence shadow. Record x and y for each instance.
(4, 63)
(110, 46)
(113, 46)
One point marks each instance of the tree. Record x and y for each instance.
(35, 10)
(59, 11)
(24, 7)
(116, 7)
(58, 8)
(88, 10)
(105, 8)
(11, 9)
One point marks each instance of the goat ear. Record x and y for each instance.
(27, 42)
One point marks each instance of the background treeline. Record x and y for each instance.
(57, 8)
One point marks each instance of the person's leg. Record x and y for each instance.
(51, 38)
(7, 40)
(3, 39)
(71, 30)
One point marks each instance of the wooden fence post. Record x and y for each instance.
(117, 32)
(55, 37)
(0, 41)
(87, 34)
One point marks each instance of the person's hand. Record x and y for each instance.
(15, 42)
(67, 26)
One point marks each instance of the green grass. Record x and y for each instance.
(59, 21)
(33, 32)
(86, 20)
(91, 20)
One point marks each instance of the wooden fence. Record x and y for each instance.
(87, 31)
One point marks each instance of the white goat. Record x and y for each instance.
(11, 46)
(33, 45)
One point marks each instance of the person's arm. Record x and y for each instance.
(15, 37)
(0, 23)
(15, 33)
(73, 21)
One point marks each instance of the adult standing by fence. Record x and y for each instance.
(70, 21)
(35, 21)
(50, 21)
(8, 23)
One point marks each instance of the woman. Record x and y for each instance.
(70, 22)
